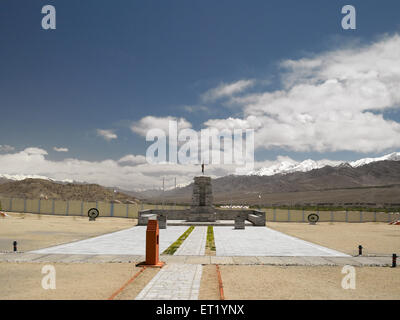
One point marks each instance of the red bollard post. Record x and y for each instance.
(152, 245)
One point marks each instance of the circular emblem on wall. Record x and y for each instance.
(93, 213)
(313, 218)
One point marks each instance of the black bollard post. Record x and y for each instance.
(360, 250)
(394, 258)
(15, 246)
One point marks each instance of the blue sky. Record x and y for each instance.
(111, 63)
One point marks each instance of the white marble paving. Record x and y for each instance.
(125, 242)
(195, 244)
(263, 241)
(174, 282)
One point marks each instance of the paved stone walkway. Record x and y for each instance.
(195, 244)
(263, 241)
(174, 282)
(125, 242)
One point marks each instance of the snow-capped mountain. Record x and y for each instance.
(395, 156)
(19, 177)
(289, 166)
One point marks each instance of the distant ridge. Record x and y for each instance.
(375, 182)
(289, 166)
(46, 189)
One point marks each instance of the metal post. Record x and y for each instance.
(39, 205)
(375, 216)
(67, 209)
(303, 215)
(347, 215)
(332, 216)
(163, 190)
(112, 209)
(361, 216)
(274, 214)
(288, 213)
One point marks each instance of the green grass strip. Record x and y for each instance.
(173, 247)
(210, 244)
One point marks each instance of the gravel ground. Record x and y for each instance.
(375, 237)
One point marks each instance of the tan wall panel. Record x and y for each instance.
(32, 205)
(17, 205)
(119, 210)
(60, 207)
(5, 204)
(368, 216)
(74, 208)
(281, 215)
(133, 210)
(46, 206)
(354, 216)
(339, 216)
(104, 209)
(296, 215)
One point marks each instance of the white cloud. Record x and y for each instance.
(132, 159)
(331, 102)
(125, 173)
(6, 148)
(60, 149)
(227, 90)
(196, 108)
(147, 123)
(35, 151)
(107, 134)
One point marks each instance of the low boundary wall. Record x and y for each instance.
(74, 207)
(178, 212)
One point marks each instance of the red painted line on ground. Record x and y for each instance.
(221, 286)
(126, 284)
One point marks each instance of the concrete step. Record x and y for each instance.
(219, 223)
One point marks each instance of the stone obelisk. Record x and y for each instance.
(202, 209)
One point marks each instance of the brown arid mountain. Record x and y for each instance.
(45, 189)
(373, 184)
(376, 183)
